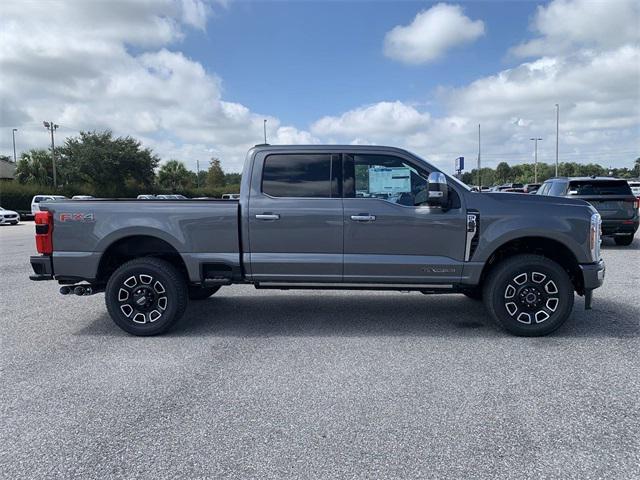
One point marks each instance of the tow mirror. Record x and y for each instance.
(438, 192)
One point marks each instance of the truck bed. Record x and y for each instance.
(202, 232)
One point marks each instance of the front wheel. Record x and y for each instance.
(529, 295)
(146, 296)
(624, 240)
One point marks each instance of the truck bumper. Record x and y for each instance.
(611, 228)
(593, 274)
(42, 267)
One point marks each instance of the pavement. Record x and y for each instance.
(302, 384)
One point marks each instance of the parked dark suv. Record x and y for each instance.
(612, 197)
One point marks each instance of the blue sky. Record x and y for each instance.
(193, 79)
(304, 60)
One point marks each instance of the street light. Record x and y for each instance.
(535, 165)
(52, 127)
(557, 133)
(13, 134)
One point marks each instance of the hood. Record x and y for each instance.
(527, 200)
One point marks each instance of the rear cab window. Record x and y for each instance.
(302, 175)
(599, 187)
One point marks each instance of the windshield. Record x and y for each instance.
(449, 177)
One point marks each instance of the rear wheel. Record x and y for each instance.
(529, 295)
(146, 296)
(623, 240)
(201, 293)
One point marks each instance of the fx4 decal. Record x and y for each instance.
(77, 217)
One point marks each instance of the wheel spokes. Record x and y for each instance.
(142, 298)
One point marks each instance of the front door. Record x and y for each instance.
(295, 218)
(390, 234)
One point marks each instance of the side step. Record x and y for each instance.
(215, 281)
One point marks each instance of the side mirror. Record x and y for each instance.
(438, 192)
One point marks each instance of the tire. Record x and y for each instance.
(201, 293)
(150, 280)
(473, 293)
(624, 240)
(528, 295)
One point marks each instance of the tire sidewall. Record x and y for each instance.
(175, 291)
(529, 264)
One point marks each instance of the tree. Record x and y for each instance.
(215, 174)
(503, 172)
(35, 167)
(108, 164)
(174, 175)
(636, 168)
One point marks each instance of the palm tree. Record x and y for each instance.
(34, 166)
(174, 175)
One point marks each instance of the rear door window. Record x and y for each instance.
(301, 175)
(599, 187)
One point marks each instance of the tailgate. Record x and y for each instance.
(613, 207)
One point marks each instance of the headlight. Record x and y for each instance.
(595, 231)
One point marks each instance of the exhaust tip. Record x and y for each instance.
(65, 290)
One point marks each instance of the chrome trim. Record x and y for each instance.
(472, 231)
(363, 218)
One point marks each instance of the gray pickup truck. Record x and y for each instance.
(327, 217)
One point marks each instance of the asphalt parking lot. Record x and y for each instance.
(269, 384)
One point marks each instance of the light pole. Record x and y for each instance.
(197, 173)
(52, 127)
(557, 133)
(535, 165)
(13, 134)
(479, 176)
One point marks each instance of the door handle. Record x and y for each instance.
(363, 218)
(268, 216)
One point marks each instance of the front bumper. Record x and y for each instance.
(42, 267)
(593, 274)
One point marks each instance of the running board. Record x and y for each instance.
(442, 288)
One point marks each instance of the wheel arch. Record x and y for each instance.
(136, 246)
(537, 245)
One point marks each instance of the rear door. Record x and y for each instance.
(390, 235)
(295, 217)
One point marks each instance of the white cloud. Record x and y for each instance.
(431, 33)
(381, 119)
(600, 114)
(563, 25)
(72, 63)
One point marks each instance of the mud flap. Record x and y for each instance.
(588, 296)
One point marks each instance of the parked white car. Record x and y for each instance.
(635, 187)
(146, 197)
(35, 207)
(231, 196)
(9, 217)
(82, 197)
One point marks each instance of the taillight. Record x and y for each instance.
(44, 232)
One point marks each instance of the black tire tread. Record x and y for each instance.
(175, 279)
(491, 284)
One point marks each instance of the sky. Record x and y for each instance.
(194, 79)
